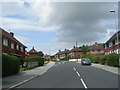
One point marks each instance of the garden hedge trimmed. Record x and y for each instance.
(10, 65)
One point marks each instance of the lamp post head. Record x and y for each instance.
(112, 11)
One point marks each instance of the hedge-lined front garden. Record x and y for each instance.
(35, 59)
(10, 65)
(109, 59)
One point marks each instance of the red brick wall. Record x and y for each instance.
(10, 51)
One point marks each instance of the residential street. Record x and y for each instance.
(73, 75)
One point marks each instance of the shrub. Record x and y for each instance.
(112, 60)
(90, 56)
(103, 59)
(10, 65)
(65, 58)
(96, 59)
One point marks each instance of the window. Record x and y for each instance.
(5, 41)
(105, 46)
(21, 49)
(110, 44)
(12, 45)
(17, 47)
(116, 42)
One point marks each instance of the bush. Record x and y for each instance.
(96, 59)
(10, 65)
(103, 59)
(112, 60)
(65, 58)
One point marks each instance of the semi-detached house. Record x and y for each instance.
(112, 45)
(10, 45)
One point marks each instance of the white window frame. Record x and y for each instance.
(17, 47)
(21, 48)
(110, 44)
(116, 42)
(5, 41)
(12, 45)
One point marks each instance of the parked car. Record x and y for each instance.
(85, 61)
(54, 60)
(58, 60)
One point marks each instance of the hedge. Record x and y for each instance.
(109, 59)
(65, 58)
(34, 59)
(10, 65)
(112, 60)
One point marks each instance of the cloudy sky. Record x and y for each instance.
(50, 26)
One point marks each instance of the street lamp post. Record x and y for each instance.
(117, 32)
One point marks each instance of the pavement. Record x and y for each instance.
(25, 76)
(107, 68)
(73, 75)
(114, 70)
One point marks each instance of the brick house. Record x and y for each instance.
(96, 49)
(65, 53)
(76, 53)
(62, 54)
(58, 54)
(32, 53)
(47, 56)
(10, 45)
(112, 45)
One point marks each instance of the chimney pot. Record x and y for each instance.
(12, 34)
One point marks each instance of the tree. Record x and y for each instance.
(41, 53)
(84, 48)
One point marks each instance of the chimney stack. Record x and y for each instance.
(12, 34)
(73, 46)
(96, 43)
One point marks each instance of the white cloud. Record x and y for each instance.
(19, 24)
(83, 22)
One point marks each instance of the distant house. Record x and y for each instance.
(96, 49)
(47, 56)
(65, 53)
(58, 54)
(33, 53)
(112, 45)
(10, 45)
(76, 53)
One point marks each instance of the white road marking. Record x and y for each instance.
(74, 69)
(59, 62)
(78, 74)
(83, 83)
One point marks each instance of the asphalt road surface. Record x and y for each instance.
(73, 75)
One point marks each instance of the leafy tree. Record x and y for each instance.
(41, 53)
(84, 48)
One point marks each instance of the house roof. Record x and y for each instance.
(9, 36)
(76, 49)
(96, 47)
(66, 51)
(33, 51)
(58, 53)
(114, 37)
